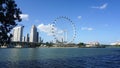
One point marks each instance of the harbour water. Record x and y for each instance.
(60, 58)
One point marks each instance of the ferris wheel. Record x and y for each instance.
(63, 30)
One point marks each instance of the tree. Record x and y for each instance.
(49, 44)
(81, 44)
(9, 15)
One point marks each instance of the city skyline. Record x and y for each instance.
(18, 36)
(95, 20)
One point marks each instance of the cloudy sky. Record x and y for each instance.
(95, 20)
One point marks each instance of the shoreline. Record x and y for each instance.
(55, 47)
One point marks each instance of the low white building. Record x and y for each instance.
(92, 44)
(115, 43)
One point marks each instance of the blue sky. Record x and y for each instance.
(95, 20)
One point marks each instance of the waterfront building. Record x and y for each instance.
(40, 40)
(37, 36)
(115, 43)
(33, 34)
(27, 38)
(23, 39)
(17, 34)
(92, 44)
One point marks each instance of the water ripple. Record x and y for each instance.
(107, 61)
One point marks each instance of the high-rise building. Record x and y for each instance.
(37, 36)
(40, 40)
(33, 34)
(27, 38)
(23, 39)
(17, 34)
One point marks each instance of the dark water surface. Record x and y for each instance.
(60, 58)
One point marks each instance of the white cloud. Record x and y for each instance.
(79, 17)
(45, 28)
(101, 7)
(24, 16)
(87, 28)
(49, 29)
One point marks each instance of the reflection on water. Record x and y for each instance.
(60, 58)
